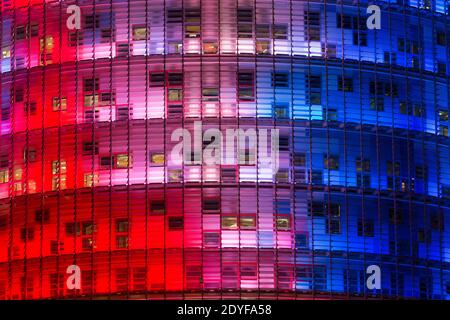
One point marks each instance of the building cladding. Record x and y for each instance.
(85, 137)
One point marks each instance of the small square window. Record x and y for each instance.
(140, 33)
(88, 228)
(26, 234)
(59, 104)
(262, 47)
(157, 158)
(280, 31)
(73, 229)
(283, 223)
(248, 272)
(247, 222)
(211, 205)
(281, 111)
(210, 94)
(211, 239)
(176, 223)
(122, 161)
(90, 180)
(210, 48)
(443, 115)
(331, 162)
(280, 79)
(42, 215)
(158, 206)
(175, 95)
(229, 222)
(192, 31)
(122, 225)
(121, 242)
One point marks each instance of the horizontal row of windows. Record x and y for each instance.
(411, 49)
(135, 277)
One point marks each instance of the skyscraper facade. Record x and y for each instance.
(93, 94)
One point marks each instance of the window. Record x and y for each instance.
(91, 100)
(176, 223)
(281, 111)
(122, 161)
(175, 79)
(158, 206)
(73, 229)
(30, 107)
(395, 216)
(90, 148)
(192, 18)
(29, 154)
(121, 242)
(246, 86)
(443, 115)
(211, 205)
(157, 158)
(90, 180)
(314, 89)
(246, 222)
(124, 49)
(312, 26)
(107, 98)
(122, 225)
(192, 31)
(333, 221)
(331, 162)
(441, 67)
(228, 174)
(107, 35)
(75, 38)
(210, 94)
(91, 84)
(210, 48)
(6, 52)
(175, 47)
(440, 38)
(245, 23)
(377, 104)
(140, 33)
(344, 21)
(299, 159)
(301, 240)
(362, 165)
(174, 16)
(26, 234)
(229, 222)
(18, 95)
(248, 271)
(175, 95)
(390, 58)
(42, 215)
(4, 176)
(345, 84)
(106, 162)
(365, 228)
(59, 170)
(59, 104)
(360, 38)
(280, 79)
(262, 47)
(283, 223)
(87, 228)
(280, 31)
(262, 31)
(211, 239)
(92, 21)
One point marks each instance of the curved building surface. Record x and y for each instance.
(86, 138)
